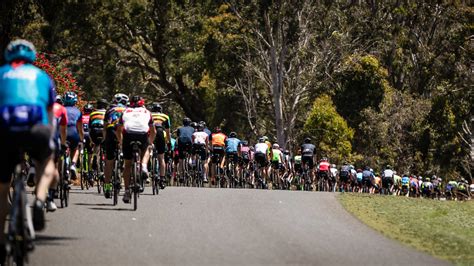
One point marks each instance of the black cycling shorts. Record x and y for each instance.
(261, 159)
(217, 154)
(308, 159)
(184, 147)
(110, 144)
(96, 135)
(232, 157)
(127, 148)
(38, 143)
(200, 149)
(344, 176)
(160, 143)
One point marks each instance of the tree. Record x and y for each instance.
(329, 130)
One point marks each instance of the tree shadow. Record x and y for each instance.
(94, 204)
(111, 209)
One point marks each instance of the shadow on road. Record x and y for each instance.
(111, 209)
(94, 204)
(48, 240)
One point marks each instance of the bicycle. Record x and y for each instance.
(84, 163)
(116, 177)
(63, 186)
(98, 169)
(21, 232)
(306, 178)
(155, 168)
(199, 171)
(231, 170)
(136, 172)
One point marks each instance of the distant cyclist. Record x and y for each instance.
(96, 128)
(162, 124)
(200, 147)
(87, 110)
(218, 140)
(75, 129)
(184, 141)
(307, 153)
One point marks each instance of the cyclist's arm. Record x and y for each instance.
(63, 134)
(80, 129)
(118, 132)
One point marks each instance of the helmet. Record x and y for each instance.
(186, 121)
(59, 99)
(265, 138)
(427, 179)
(200, 127)
(244, 143)
(70, 98)
(307, 140)
(121, 98)
(102, 104)
(233, 134)
(20, 50)
(88, 108)
(286, 152)
(156, 107)
(261, 140)
(137, 101)
(388, 166)
(333, 165)
(276, 146)
(194, 124)
(202, 123)
(420, 178)
(324, 159)
(217, 129)
(359, 170)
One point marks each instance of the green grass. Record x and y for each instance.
(444, 229)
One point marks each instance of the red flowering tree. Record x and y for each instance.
(61, 75)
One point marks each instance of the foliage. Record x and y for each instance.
(327, 128)
(443, 229)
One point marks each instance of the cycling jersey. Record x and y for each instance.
(85, 123)
(200, 137)
(161, 120)
(74, 115)
(298, 159)
(388, 173)
(405, 181)
(136, 120)
(471, 188)
(232, 145)
(359, 176)
(333, 171)
(261, 148)
(367, 174)
(324, 166)
(307, 149)
(173, 144)
(276, 155)
(25, 94)
(112, 116)
(218, 139)
(96, 118)
(427, 185)
(397, 179)
(60, 114)
(185, 134)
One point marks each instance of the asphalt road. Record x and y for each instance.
(191, 226)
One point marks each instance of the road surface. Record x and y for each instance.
(191, 226)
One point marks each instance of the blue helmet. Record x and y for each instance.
(70, 98)
(20, 50)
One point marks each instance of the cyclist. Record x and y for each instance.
(344, 176)
(451, 189)
(244, 157)
(367, 177)
(232, 144)
(111, 118)
(307, 151)
(359, 179)
(75, 129)
(387, 179)
(323, 169)
(436, 185)
(96, 128)
(162, 125)
(463, 190)
(261, 158)
(218, 140)
(297, 165)
(427, 188)
(208, 132)
(135, 124)
(26, 106)
(405, 184)
(414, 185)
(397, 183)
(276, 162)
(200, 146)
(184, 140)
(334, 172)
(86, 112)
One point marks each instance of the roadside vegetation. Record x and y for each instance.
(444, 229)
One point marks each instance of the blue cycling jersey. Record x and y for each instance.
(359, 176)
(73, 115)
(26, 93)
(231, 145)
(185, 134)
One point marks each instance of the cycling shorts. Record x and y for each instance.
(96, 135)
(160, 143)
(200, 149)
(232, 157)
(127, 148)
(261, 159)
(110, 144)
(217, 154)
(73, 141)
(37, 142)
(277, 165)
(184, 148)
(308, 159)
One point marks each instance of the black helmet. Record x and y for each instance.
(194, 124)
(186, 121)
(156, 107)
(307, 140)
(102, 104)
(200, 127)
(202, 123)
(233, 134)
(88, 108)
(59, 99)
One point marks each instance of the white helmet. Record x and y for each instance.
(121, 98)
(276, 146)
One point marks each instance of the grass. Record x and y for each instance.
(444, 229)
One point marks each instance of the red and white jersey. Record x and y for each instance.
(324, 166)
(200, 137)
(136, 120)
